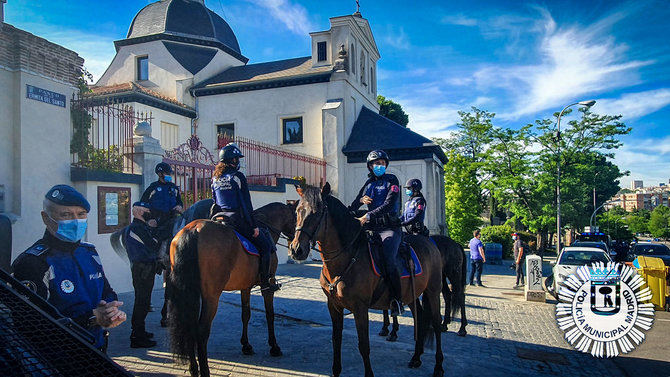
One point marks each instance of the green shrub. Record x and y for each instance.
(501, 234)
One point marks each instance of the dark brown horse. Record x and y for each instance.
(349, 283)
(454, 270)
(207, 258)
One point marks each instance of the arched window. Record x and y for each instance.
(362, 68)
(373, 83)
(352, 53)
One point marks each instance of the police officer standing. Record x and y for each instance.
(381, 194)
(66, 271)
(415, 209)
(164, 201)
(142, 250)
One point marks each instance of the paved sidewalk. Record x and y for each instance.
(506, 336)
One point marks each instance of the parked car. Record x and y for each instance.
(597, 244)
(571, 258)
(649, 249)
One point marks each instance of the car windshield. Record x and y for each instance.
(581, 257)
(599, 245)
(651, 249)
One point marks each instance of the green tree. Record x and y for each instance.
(659, 222)
(392, 110)
(462, 198)
(638, 221)
(614, 223)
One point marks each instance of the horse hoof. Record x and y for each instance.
(462, 332)
(275, 351)
(384, 332)
(392, 337)
(438, 372)
(414, 363)
(248, 349)
(444, 327)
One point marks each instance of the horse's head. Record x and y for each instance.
(310, 215)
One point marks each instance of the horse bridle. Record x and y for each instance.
(317, 229)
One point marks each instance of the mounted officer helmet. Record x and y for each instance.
(414, 185)
(377, 155)
(229, 152)
(163, 168)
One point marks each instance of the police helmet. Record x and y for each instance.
(164, 168)
(377, 155)
(414, 184)
(229, 152)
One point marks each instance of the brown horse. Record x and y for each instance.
(454, 269)
(207, 258)
(348, 281)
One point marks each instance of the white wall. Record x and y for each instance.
(159, 115)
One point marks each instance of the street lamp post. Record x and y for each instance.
(593, 215)
(558, 170)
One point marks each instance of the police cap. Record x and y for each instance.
(67, 196)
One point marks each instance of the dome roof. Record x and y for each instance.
(189, 19)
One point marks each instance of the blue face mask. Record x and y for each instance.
(168, 178)
(408, 192)
(71, 230)
(378, 170)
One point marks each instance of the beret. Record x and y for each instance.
(67, 196)
(141, 204)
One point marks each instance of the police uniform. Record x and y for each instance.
(383, 221)
(414, 214)
(142, 250)
(161, 198)
(69, 275)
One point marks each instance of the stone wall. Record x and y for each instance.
(21, 50)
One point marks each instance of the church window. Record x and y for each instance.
(321, 51)
(142, 68)
(225, 133)
(292, 130)
(362, 68)
(169, 135)
(352, 53)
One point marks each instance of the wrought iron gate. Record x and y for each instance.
(193, 166)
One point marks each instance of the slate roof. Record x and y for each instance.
(296, 71)
(374, 131)
(134, 92)
(184, 21)
(193, 58)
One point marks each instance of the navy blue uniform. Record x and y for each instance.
(414, 214)
(142, 250)
(160, 199)
(383, 216)
(67, 275)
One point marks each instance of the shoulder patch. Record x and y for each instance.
(37, 249)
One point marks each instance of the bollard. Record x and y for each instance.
(533, 290)
(5, 242)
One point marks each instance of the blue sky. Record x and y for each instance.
(521, 60)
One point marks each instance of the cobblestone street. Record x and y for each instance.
(506, 336)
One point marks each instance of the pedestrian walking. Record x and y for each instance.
(477, 258)
(519, 256)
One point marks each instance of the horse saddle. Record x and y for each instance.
(405, 252)
(247, 245)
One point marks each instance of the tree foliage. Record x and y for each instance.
(392, 110)
(659, 222)
(614, 223)
(462, 199)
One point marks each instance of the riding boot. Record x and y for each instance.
(395, 289)
(264, 267)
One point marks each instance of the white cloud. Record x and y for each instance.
(634, 105)
(573, 62)
(459, 19)
(293, 16)
(646, 159)
(397, 39)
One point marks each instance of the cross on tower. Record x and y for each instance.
(358, 6)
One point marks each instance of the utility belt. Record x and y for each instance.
(417, 228)
(385, 221)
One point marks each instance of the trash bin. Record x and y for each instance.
(493, 252)
(653, 272)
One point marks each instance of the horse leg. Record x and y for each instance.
(208, 311)
(447, 295)
(434, 304)
(337, 319)
(245, 296)
(464, 320)
(415, 362)
(362, 328)
(268, 298)
(385, 328)
(393, 336)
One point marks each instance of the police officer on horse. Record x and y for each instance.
(163, 200)
(68, 272)
(232, 202)
(415, 209)
(381, 193)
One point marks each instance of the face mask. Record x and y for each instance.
(168, 178)
(408, 192)
(378, 170)
(71, 230)
(514, 237)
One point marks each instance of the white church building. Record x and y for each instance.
(182, 62)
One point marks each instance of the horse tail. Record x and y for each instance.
(185, 297)
(427, 322)
(118, 244)
(458, 287)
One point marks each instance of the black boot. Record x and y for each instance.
(139, 339)
(395, 289)
(264, 266)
